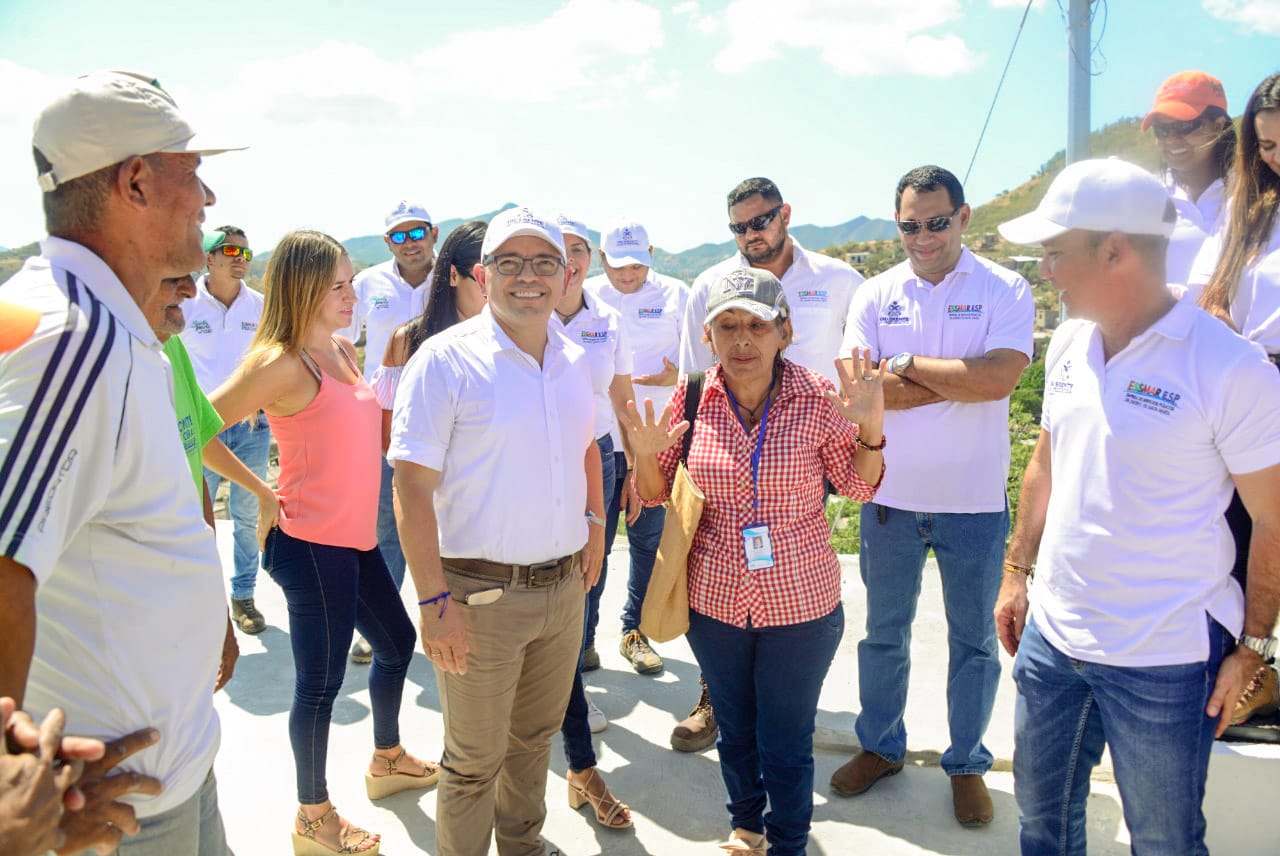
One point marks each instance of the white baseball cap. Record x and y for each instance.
(626, 243)
(518, 221)
(106, 117)
(569, 226)
(1099, 195)
(407, 212)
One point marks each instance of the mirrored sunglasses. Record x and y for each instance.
(933, 224)
(232, 251)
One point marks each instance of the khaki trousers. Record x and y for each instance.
(500, 716)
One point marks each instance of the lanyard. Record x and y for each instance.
(755, 456)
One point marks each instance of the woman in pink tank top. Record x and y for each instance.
(324, 552)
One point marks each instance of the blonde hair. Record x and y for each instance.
(299, 276)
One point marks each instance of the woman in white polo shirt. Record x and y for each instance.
(1244, 292)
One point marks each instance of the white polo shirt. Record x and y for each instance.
(384, 301)
(1135, 548)
(598, 329)
(949, 456)
(652, 320)
(507, 436)
(1197, 219)
(217, 336)
(1256, 308)
(96, 499)
(818, 289)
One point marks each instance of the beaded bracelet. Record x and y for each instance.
(443, 597)
(1011, 568)
(879, 447)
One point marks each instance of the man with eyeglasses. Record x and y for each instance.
(957, 332)
(818, 289)
(652, 306)
(502, 519)
(222, 320)
(388, 295)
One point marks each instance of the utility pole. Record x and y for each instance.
(1078, 80)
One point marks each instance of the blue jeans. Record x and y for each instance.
(576, 730)
(252, 446)
(614, 466)
(1152, 719)
(331, 591)
(388, 534)
(764, 684)
(642, 537)
(970, 551)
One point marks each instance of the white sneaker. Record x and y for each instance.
(595, 717)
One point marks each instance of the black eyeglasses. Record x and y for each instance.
(756, 224)
(415, 234)
(933, 224)
(513, 265)
(1177, 129)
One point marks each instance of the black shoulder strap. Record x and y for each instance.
(692, 398)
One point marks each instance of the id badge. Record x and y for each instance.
(758, 547)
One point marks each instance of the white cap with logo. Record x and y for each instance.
(569, 226)
(518, 221)
(107, 117)
(626, 243)
(407, 212)
(1099, 195)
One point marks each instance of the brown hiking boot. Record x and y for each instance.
(1262, 695)
(971, 801)
(862, 771)
(638, 653)
(246, 616)
(699, 729)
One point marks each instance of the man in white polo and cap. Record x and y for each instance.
(501, 514)
(652, 307)
(1133, 634)
(388, 295)
(110, 586)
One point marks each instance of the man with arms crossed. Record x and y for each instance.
(1150, 418)
(957, 331)
(126, 630)
(498, 486)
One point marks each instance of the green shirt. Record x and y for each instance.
(198, 422)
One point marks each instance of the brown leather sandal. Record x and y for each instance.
(305, 844)
(395, 780)
(743, 842)
(607, 807)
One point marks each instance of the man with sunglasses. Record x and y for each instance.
(957, 332)
(222, 320)
(388, 295)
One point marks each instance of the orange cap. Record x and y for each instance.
(1185, 95)
(17, 323)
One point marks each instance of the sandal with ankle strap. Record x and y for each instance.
(394, 781)
(305, 844)
(744, 842)
(607, 807)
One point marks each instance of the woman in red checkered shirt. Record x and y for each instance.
(764, 583)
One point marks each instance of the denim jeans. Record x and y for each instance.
(193, 828)
(970, 550)
(388, 534)
(330, 592)
(615, 470)
(764, 684)
(252, 446)
(642, 537)
(576, 730)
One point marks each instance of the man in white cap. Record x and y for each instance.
(96, 512)
(387, 295)
(501, 514)
(652, 307)
(1150, 417)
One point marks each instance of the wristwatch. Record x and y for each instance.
(1264, 647)
(899, 364)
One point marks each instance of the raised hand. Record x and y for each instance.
(649, 436)
(861, 396)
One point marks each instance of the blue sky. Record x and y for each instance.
(605, 108)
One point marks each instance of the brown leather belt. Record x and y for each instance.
(539, 575)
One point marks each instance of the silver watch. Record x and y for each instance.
(1264, 647)
(899, 364)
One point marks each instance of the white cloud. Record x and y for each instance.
(1017, 4)
(1259, 16)
(856, 38)
(704, 23)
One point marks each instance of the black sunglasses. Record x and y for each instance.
(1177, 129)
(933, 224)
(756, 224)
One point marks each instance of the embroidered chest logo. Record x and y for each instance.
(201, 327)
(964, 311)
(1150, 397)
(380, 303)
(654, 313)
(812, 295)
(594, 337)
(248, 326)
(1061, 381)
(894, 315)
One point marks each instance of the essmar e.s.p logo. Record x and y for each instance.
(961, 311)
(812, 295)
(654, 312)
(595, 337)
(201, 327)
(1151, 397)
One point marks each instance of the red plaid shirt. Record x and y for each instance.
(805, 440)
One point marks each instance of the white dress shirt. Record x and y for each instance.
(598, 329)
(218, 336)
(384, 301)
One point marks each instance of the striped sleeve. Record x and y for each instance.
(57, 428)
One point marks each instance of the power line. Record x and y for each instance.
(999, 85)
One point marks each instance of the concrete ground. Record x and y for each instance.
(677, 799)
